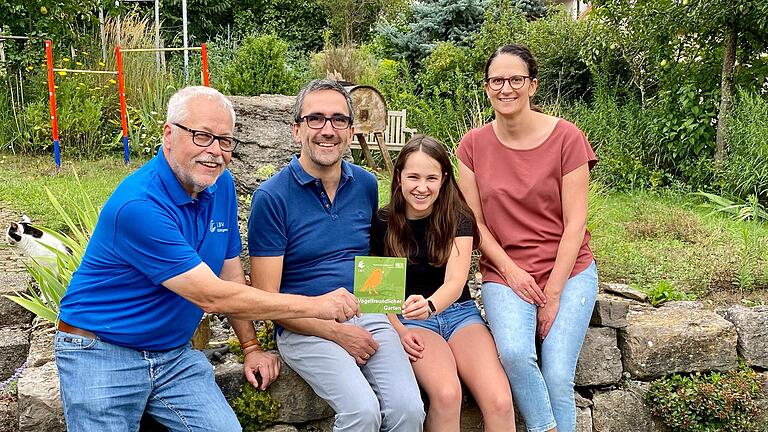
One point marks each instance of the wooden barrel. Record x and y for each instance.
(370, 109)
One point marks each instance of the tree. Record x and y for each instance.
(669, 42)
(454, 21)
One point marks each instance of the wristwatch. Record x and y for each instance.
(432, 308)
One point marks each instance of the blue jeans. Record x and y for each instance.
(449, 321)
(106, 387)
(380, 395)
(544, 395)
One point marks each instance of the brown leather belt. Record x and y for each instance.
(74, 330)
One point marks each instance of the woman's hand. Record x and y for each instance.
(523, 284)
(413, 344)
(545, 317)
(415, 307)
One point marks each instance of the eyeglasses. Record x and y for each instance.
(316, 121)
(205, 139)
(515, 82)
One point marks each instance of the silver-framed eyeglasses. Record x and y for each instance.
(205, 139)
(497, 83)
(317, 121)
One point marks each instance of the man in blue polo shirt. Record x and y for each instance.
(165, 248)
(307, 224)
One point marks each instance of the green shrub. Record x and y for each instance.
(563, 73)
(255, 409)
(619, 135)
(260, 66)
(712, 402)
(663, 292)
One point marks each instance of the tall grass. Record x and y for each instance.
(745, 171)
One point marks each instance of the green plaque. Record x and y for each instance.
(380, 284)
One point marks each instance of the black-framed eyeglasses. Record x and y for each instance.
(317, 121)
(515, 82)
(205, 139)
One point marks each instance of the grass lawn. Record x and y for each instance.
(661, 242)
(24, 180)
(665, 242)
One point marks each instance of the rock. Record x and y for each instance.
(40, 407)
(583, 417)
(41, 344)
(752, 328)
(610, 311)
(581, 401)
(298, 402)
(324, 425)
(471, 418)
(264, 124)
(229, 377)
(281, 428)
(9, 412)
(14, 345)
(684, 304)
(11, 313)
(762, 403)
(623, 410)
(624, 290)
(661, 341)
(600, 359)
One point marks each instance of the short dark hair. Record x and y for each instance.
(520, 51)
(316, 85)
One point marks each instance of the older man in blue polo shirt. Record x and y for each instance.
(307, 224)
(165, 248)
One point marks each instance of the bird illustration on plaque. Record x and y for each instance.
(380, 284)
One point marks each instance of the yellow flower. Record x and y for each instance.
(62, 73)
(66, 60)
(101, 63)
(43, 10)
(78, 63)
(30, 68)
(111, 81)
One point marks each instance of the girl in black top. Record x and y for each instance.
(428, 221)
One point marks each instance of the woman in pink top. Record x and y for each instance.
(526, 177)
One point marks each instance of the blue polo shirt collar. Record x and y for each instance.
(172, 184)
(305, 178)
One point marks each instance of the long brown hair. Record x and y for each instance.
(449, 208)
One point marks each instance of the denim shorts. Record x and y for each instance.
(453, 318)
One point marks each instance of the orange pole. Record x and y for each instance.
(123, 107)
(52, 98)
(204, 52)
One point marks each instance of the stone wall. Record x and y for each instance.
(629, 343)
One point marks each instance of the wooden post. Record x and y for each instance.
(366, 151)
(385, 152)
(203, 333)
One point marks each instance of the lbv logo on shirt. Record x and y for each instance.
(218, 226)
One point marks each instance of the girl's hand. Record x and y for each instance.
(412, 344)
(525, 286)
(415, 307)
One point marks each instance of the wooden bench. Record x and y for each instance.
(395, 135)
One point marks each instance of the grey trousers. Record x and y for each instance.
(381, 395)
